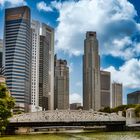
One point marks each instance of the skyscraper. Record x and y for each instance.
(35, 25)
(116, 94)
(61, 84)
(105, 88)
(46, 68)
(17, 55)
(1, 52)
(91, 73)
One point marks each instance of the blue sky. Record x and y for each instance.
(117, 23)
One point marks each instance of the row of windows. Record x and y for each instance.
(28, 56)
(14, 94)
(26, 63)
(18, 58)
(21, 26)
(14, 74)
(17, 42)
(17, 24)
(9, 22)
(14, 68)
(16, 38)
(16, 88)
(16, 34)
(14, 80)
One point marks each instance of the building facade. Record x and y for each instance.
(35, 25)
(17, 55)
(91, 73)
(1, 57)
(61, 84)
(1, 53)
(116, 94)
(74, 106)
(133, 98)
(46, 67)
(105, 88)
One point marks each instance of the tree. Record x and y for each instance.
(137, 111)
(6, 105)
(106, 109)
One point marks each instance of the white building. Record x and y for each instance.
(35, 25)
(42, 73)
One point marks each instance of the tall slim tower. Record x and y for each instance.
(46, 68)
(35, 25)
(17, 55)
(91, 73)
(61, 84)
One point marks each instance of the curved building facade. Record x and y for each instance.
(18, 55)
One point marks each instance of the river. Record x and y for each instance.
(77, 136)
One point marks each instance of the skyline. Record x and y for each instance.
(117, 62)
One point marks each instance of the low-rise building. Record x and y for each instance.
(74, 106)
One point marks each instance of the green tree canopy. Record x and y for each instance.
(6, 105)
(122, 108)
(137, 110)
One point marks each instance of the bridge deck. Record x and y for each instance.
(80, 123)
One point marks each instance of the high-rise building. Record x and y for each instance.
(105, 88)
(133, 98)
(46, 68)
(91, 73)
(1, 53)
(35, 25)
(61, 84)
(17, 55)
(116, 95)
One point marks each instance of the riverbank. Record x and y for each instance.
(85, 135)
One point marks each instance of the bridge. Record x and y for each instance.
(66, 118)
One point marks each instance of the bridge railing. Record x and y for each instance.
(66, 116)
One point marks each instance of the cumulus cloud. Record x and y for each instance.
(128, 74)
(43, 6)
(113, 20)
(75, 98)
(11, 3)
(70, 65)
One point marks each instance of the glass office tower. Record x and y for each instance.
(17, 55)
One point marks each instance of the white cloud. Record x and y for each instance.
(113, 20)
(43, 6)
(12, 3)
(128, 74)
(55, 4)
(70, 65)
(75, 98)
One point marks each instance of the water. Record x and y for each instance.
(78, 136)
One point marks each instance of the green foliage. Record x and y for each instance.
(18, 112)
(137, 110)
(6, 105)
(122, 108)
(106, 109)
